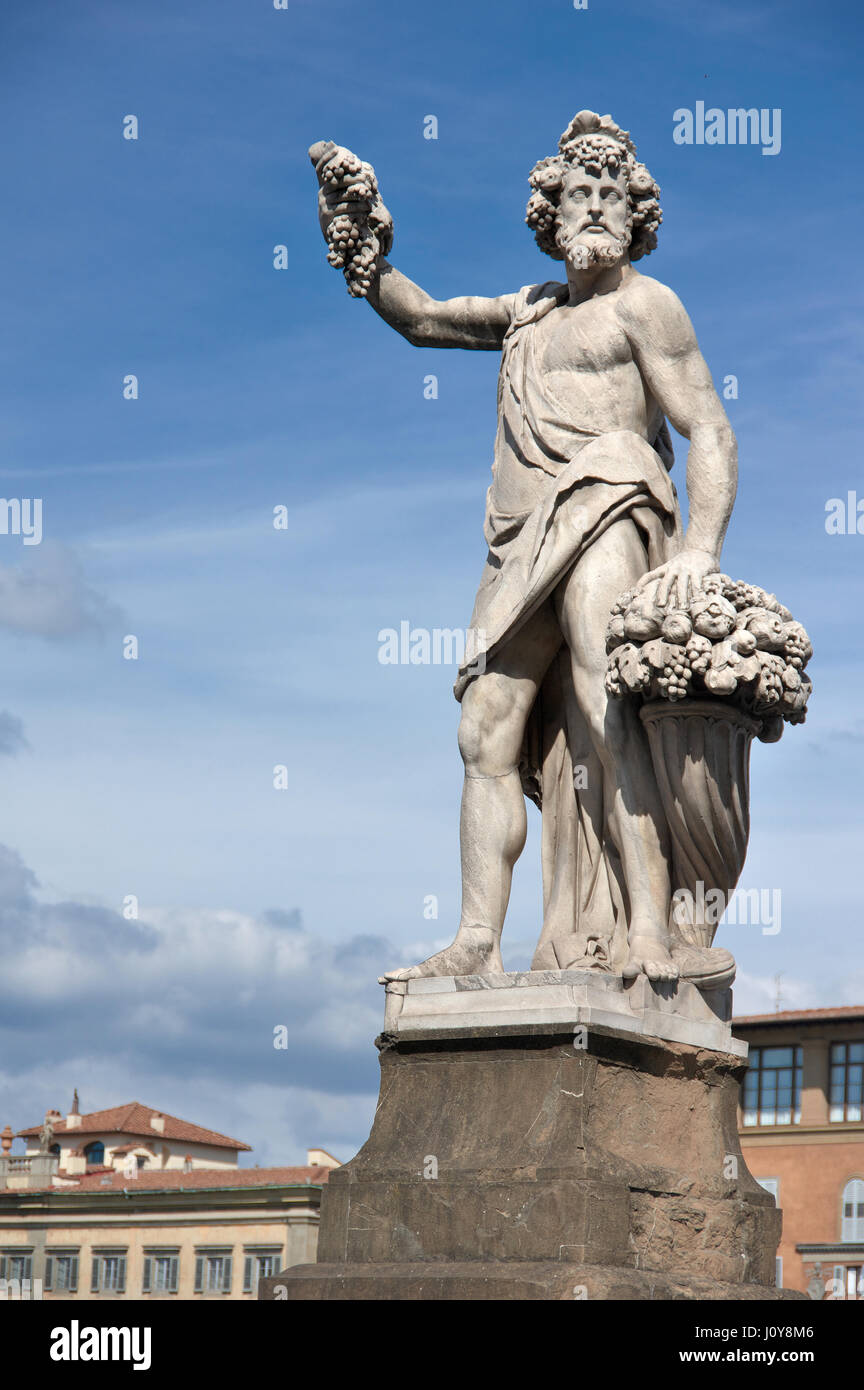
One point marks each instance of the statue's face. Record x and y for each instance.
(592, 217)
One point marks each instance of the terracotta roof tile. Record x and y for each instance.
(134, 1118)
(175, 1180)
(849, 1011)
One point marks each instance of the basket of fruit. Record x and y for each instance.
(711, 677)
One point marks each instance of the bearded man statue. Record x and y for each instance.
(581, 509)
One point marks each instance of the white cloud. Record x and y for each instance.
(48, 595)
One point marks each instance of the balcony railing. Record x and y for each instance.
(37, 1168)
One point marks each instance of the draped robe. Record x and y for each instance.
(585, 480)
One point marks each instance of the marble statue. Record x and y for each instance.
(623, 676)
(46, 1136)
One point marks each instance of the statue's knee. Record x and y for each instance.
(474, 738)
(486, 735)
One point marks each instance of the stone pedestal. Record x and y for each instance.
(548, 1136)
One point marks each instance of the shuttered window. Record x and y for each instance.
(161, 1272)
(852, 1224)
(61, 1272)
(259, 1264)
(213, 1271)
(16, 1266)
(108, 1272)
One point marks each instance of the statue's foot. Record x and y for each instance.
(649, 956)
(476, 951)
(707, 967)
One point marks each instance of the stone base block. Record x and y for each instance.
(543, 1164)
(497, 1282)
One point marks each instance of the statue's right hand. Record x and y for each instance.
(333, 166)
(347, 186)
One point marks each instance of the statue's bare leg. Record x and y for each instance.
(493, 824)
(583, 602)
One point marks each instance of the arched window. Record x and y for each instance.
(852, 1226)
(95, 1153)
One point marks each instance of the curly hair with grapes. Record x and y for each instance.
(592, 143)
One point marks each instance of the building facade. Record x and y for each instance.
(801, 1122)
(113, 1206)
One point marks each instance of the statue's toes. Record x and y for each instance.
(391, 976)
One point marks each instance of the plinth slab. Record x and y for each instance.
(533, 1002)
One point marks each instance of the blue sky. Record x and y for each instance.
(261, 387)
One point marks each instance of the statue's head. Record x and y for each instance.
(594, 202)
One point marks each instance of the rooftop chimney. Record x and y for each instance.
(6, 1138)
(158, 1122)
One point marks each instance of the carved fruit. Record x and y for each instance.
(615, 632)
(766, 627)
(721, 681)
(677, 627)
(772, 729)
(642, 621)
(713, 616)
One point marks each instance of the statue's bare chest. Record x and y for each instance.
(584, 338)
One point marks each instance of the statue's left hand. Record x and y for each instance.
(677, 580)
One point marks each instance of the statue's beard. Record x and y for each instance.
(605, 250)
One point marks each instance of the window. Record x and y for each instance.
(771, 1185)
(852, 1223)
(847, 1081)
(16, 1265)
(161, 1271)
(848, 1282)
(260, 1264)
(109, 1272)
(61, 1271)
(772, 1087)
(142, 1161)
(213, 1271)
(95, 1153)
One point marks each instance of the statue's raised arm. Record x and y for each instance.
(358, 230)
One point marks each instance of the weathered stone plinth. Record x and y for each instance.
(535, 1164)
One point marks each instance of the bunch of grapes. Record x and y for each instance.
(673, 682)
(343, 168)
(361, 229)
(769, 688)
(742, 595)
(798, 646)
(354, 251)
(624, 602)
(698, 654)
(613, 681)
(540, 214)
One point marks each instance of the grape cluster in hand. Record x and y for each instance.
(356, 224)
